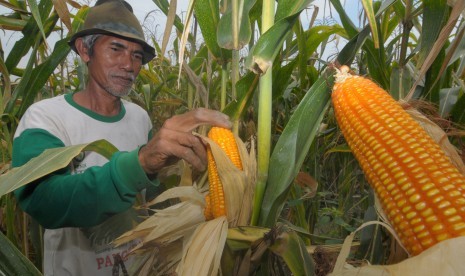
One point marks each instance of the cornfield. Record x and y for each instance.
(269, 65)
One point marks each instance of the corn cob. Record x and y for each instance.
(421, 191)
(208, 212)
(216, 206)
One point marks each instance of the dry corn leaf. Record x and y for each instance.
(444, 258)
(187, 192)
(208, 242)
(249, 165)
(165, 225)
(167, 240)
(159, 260)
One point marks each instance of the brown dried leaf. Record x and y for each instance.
(208, 242)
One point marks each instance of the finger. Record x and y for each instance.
(189, 121)
(197, 148)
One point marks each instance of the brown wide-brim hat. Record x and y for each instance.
(115, 18)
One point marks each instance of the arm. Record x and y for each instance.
(78, 200)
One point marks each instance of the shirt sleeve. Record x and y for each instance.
(62, 199)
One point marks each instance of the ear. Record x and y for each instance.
(82, 50)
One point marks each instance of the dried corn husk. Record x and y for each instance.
(444, 258)
(172, 238)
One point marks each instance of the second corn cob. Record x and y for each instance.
(421, 191)
(224, 138)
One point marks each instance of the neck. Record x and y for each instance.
(101, 103)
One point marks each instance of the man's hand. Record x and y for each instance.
(175, 141)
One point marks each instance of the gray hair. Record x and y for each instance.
(89, 42)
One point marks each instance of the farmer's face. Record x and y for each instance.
(114, 64)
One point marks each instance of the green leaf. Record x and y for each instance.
(448, 98)
(401, 81)
(36, 15)
(225, 30)
(292, 147)
(29, 86)
(368, 6)
(458, 111)
(12, 261)
(269, 44)
(23, 45)
(349, 26)
(208, 17)
(244, 236)
(289, 7)
(49, 161)
(12, 24)
(292, 249)
(5, 95)
(358, 39)
(245, 88)
(435, 14)
(280, 74)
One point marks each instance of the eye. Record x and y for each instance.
(138, 56)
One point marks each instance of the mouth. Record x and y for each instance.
(124, 80)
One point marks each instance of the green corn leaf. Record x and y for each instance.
(23, 45)
(289, 7)
(49, 161)
(13, 262)
(5, 95)
(368, 6)
(207, 14)
(435, 14)
(292, 147)
(12, 24)
(30, 86)
(245, 88)
(458, 111)
(243, 237)
(349, 26)
(401, 81)
(208, 17)
(269, 44)
(36, 15)
(292, 249)
(357, 39)
(283, 73)
(225, 31)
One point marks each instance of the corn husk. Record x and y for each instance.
(173, 238)
(207, 241)
(444, 258)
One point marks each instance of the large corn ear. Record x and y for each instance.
(421, 191)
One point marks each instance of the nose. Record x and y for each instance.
(128, 62)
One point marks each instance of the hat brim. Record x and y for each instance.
(149, 51)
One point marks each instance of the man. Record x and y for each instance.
(80, 205)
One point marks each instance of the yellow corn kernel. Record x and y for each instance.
(225, 139)
(208, 208)
(386, 134)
